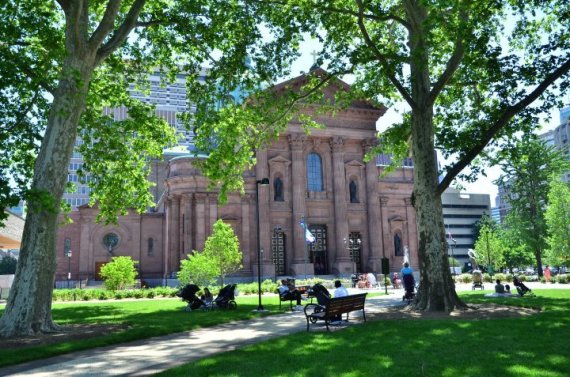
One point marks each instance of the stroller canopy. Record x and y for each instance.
(188, 292)
(227, 292)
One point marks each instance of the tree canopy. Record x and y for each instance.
(528, 166)
(62, 62)
(473, 73)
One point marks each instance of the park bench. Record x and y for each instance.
(302, 289)
(335, 307)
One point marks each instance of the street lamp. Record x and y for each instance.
(263, 182)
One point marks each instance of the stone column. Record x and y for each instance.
(213, 212)
(385, 226)
(200, 220)
(173, 248)
(375, 231)
(249, 255)
(262, 171)
(299, 187)
(187, 228)
(342, 263)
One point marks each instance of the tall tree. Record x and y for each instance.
(61, 63)
(527, 167)
(465, 69)
(558, 221)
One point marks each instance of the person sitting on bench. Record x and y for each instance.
(288, 292)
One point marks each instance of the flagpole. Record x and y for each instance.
(306, 245)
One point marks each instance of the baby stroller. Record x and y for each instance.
(188, 294)
(522, 289)
(477, 280)
(323, 296)
(409, 286)
(226, 297)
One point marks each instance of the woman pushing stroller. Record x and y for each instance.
(409, 282)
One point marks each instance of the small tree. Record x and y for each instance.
(8, 265)
(489, 247)
(198, 268)
(119, 273)
(558, 221)
(222, 247)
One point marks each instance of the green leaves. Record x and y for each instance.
(221, 256)
(119, 273)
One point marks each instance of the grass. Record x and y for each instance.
(534, 346)
(145, 318)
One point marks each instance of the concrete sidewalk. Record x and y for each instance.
(150, 356)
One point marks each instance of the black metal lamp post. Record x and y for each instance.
(263, 182)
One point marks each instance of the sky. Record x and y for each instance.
(483, 185)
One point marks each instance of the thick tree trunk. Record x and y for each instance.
(28, 310)
(437, 289)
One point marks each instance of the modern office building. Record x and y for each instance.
(170, 101)
(461, 211)
(356, 217)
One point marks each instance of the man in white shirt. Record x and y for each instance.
(340, 291)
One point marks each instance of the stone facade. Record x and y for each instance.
(356, 217)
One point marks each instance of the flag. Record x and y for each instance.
(449, 236)
(309, 237)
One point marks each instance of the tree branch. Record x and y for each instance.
(503, 120)
(381, 58)
(22, 114)
(29, 72)
(307, 94)
(454, 61)
(122, 32)
(106, 25)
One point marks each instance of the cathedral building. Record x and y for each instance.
(319, 182)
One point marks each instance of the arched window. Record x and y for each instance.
(278, 190)
(353, 189)
(398, 250)
(314, 172)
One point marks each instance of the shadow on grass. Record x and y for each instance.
(145, 319)
(528, 346)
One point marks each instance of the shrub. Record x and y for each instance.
(119, 273)
(501, 277)
(465, 278)
(562, 279)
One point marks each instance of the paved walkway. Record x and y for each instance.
(150, 356)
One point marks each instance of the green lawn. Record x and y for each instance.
(523, 347)
(146, 318)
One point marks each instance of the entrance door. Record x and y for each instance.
(318, 250)
(278, 252)
(355, 248)
(98, 266)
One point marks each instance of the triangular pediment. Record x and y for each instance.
(354, 163)
(330, 90)
(279, 160)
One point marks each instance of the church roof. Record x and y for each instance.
(335, 85)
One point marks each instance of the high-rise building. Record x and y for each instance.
(170, 101)
(461, 211)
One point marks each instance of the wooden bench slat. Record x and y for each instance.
(338, 306)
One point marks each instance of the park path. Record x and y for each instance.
(150, 356)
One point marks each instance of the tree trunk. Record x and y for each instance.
(28, 310)
(437, 290)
